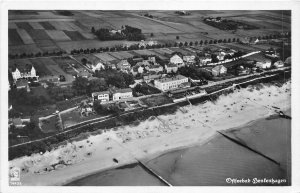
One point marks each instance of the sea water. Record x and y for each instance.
(220, 161)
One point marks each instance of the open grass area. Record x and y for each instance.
(51, 125)
(74, 35)
(156, 100)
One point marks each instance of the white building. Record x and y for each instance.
(28, 71)
(189, 59)
(204, 60)
(165, 84)
(279, 64)
(219, 70)
(101, 96)
(97, 66)
(171, 68)
(155, 68)
(123, 65)
(263, 64)
(221, 56)
(122, 94)
(176, 60)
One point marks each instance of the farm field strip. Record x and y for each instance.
(36, 25)
(74, 35)
(159, 54)
(58, 35)
(144, 52)
(87, 35)
(40, 20)
(12, 25)
(24, 25)
(39, 34)
(184, 52)
(14, 37)
(59, 25)
(20, 49)
(47, 26)
(121, 55)
(105, 57)
(26, 38)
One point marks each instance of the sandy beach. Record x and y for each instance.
(189, 126)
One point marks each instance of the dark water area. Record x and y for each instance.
(219, 162)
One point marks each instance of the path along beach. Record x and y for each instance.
(149, 141)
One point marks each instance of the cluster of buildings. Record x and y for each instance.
(22, 75)
(112, 95)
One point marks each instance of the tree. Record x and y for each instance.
(210, 42)
(177, 37)
(196, 43)
(185, 44)
(191, 43)
(84, 61)
(229, 40)
(80, 84)
(233, 40)
(201, 42)
(151, 35)
(93, 30)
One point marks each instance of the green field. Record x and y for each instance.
(50, 31)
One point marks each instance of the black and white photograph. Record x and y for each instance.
(104, 97)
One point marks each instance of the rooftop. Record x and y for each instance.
(177, 77)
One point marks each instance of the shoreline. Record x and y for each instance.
(184, 134)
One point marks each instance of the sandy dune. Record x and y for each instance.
(189, 126)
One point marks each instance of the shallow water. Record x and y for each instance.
(214, 162)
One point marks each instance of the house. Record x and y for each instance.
(219, 70)
(101, 96)
(189, 59)
(221, 55)
(121, 94)
(279, 64)
(204, 60)
(152, 59)
(165, 84)
(155, 68)
(263, 64)
(97, 66)
(177, 60)
(145, 44)
(243, 71)
(51, 78)
(111, 65)
(24, 72)
(137, 69)
(18, 123)
(123, 65)
(150, 77)
(143, 63)
(171, 68)
(288, 61)
(22, 84)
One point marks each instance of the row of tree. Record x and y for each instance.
(136, 47)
